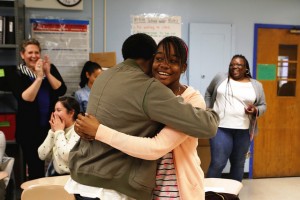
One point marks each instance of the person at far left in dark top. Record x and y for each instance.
(36, 84)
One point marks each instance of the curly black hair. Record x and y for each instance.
(139, 45)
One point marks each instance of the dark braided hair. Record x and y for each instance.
(248, 73)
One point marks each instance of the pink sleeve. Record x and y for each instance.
(145, 148)
(148, 148)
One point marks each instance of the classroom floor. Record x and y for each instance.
(271, 189)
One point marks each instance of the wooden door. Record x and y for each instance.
(277, 146)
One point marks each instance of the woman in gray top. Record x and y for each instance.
(239, 100)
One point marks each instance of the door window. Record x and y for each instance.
(287, 70)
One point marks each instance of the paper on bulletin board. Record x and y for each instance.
(266, 72)
(156, 25)
(67, 44)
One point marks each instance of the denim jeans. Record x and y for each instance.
(232, 144)
(78, 197)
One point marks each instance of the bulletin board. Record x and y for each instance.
(66, 42)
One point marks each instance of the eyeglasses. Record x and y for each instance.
(240, 66)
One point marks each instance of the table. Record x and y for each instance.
(210, 184)
(222, 185)
(54, 180)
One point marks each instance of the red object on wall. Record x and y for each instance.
(8, 126)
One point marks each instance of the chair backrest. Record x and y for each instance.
(46, 192)
(7, 165)
(53, 180)
(2, 145)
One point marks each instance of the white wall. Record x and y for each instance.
(243, 14)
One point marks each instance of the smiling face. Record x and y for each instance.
(237, 69)
(31, 55)
(63, 113)
(167, 70)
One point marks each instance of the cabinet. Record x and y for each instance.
(12, 32)
(9, 49)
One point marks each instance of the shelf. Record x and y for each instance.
(7, 3)
(10, 51)
(8, 46)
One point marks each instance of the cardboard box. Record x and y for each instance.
(203, 150)
(104, 59)
(8, 126)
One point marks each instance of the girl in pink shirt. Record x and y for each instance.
(179, 175)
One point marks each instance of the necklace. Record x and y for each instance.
(178, 91)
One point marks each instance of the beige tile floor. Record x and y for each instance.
(271, 189)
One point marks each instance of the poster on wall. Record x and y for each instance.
(156, 25)
(66, 42)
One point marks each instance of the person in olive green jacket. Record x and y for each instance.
(126, 99)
